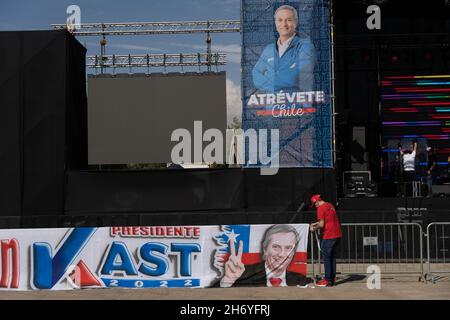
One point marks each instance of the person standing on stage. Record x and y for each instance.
(328, 221)
(409, 162)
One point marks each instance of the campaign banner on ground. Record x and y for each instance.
(154, 257)
(286, 80)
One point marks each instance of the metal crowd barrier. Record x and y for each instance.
(396, 248)
(313, 252)
(438, 255)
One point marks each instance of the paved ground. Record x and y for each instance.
(399, 288)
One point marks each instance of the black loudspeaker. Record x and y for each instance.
(441, 190)
(358, 184)
(358, 149)
(43, 122)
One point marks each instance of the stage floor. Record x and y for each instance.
(385, 203)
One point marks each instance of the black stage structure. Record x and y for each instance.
(44, 140)
(43, 120)
(44, 147)
(195, 190)
(414, 40)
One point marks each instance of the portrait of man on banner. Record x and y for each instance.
(279, 246)
(288, 64)
(286, 78)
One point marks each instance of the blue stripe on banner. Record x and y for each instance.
(69, 251)
(243, 233)
(140, 283)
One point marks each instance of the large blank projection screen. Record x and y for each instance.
(131, 117)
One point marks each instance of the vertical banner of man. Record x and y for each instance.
(286, 79)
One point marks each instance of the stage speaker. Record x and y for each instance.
(358, 184)
(441, 190)
(358, 149)
(43, 120)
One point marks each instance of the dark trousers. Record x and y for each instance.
(408, 178)
(328, 248)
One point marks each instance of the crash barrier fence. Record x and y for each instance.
(396, 248)
(438, 255)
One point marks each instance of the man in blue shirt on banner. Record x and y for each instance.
(287, 64)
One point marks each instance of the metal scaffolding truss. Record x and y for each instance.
(155, 60)
(143, 28)
(153, 28)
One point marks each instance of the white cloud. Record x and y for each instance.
(233, 52)
(234, 104)
(125, 46)
(133, 47)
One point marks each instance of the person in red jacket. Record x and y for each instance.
(328, 221)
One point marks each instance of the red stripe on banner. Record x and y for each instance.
(277, 112)
(299, 268)
(297, 265)
(247, 258)
(251, 258)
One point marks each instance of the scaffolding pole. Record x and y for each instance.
(155, 60)
(151, 28)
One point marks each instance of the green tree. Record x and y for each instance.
(236, 124)
(138, 166)
(218, 165)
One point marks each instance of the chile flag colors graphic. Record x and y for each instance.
(252, 237)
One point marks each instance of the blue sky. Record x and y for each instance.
(40, 14)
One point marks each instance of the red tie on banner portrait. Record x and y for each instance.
(276, 282)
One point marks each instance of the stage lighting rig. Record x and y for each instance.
(154, 28)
